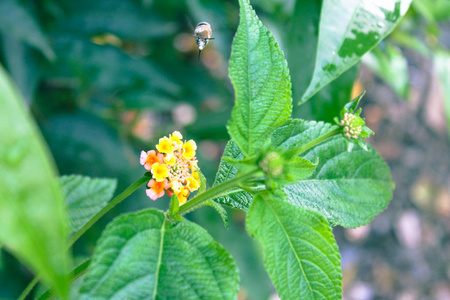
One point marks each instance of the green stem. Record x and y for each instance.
(214, 192)
(108, 207)
(29, 287)
(74, 275)
(89, 224)
(320, 139)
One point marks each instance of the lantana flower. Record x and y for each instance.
(173, 166)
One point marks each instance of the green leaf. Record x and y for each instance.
(142, 256)
(261, 81)
(20, 24)
(348, 188)
(391, 66)
(85, 197)
(301, 44)
(300, 253)
(347, 31)
(236, 198)
(220, 210)
(32, 214)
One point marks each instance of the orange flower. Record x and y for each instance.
(156, 188)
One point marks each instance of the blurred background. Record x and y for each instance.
(106, 79)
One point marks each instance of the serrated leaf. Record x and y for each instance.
(348, 188)
(237, 198)
(259, 74)
(300, 253)
(142, 256)
(220, 210)
(20, 24)
(85, 197)
(32, 214)
(349, 29)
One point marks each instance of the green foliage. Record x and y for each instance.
(22, 25)
(392, 66)
(32, 214)
(300, 253)
(347, 32)
(143, 256)
(85, 197)
(295, 178)
(348, 188)
(261, 81)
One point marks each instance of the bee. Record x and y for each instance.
(202, 34)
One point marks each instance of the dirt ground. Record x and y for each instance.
(404, 253)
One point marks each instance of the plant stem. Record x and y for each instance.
(29, 287)
(74, 275)
(108, 207)
(89, 224)
(214, 192)
(320, 139)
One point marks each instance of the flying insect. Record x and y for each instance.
(202, 34)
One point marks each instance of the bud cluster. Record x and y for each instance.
(352, 124)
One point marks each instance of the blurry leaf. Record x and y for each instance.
(300, 253)
(17, 22)
(106, 69)
(433, 11)
(123, 18)
(84, 144)
(328, 102)
(141, 256)
(442, 66)
(391, 66)
(301, 53)
(348, 188)
(22, 62)
(238, 198)
(347, 31)
(220, 210)
(32, 215)
(302, 44)
(406, 40)
(85, 197)
(261, 81)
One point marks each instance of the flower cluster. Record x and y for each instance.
(173, 166)
(353, 125)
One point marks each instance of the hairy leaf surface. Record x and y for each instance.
(143, 256)
(85, 197)
(348, 188)
(300, 253)
(261, 82)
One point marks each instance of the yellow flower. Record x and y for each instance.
(176, 186)
(189, 149)
(165, 145)
(183, 195)
(192, 183)
(176, 137)
(160, 171)
(170, 159)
